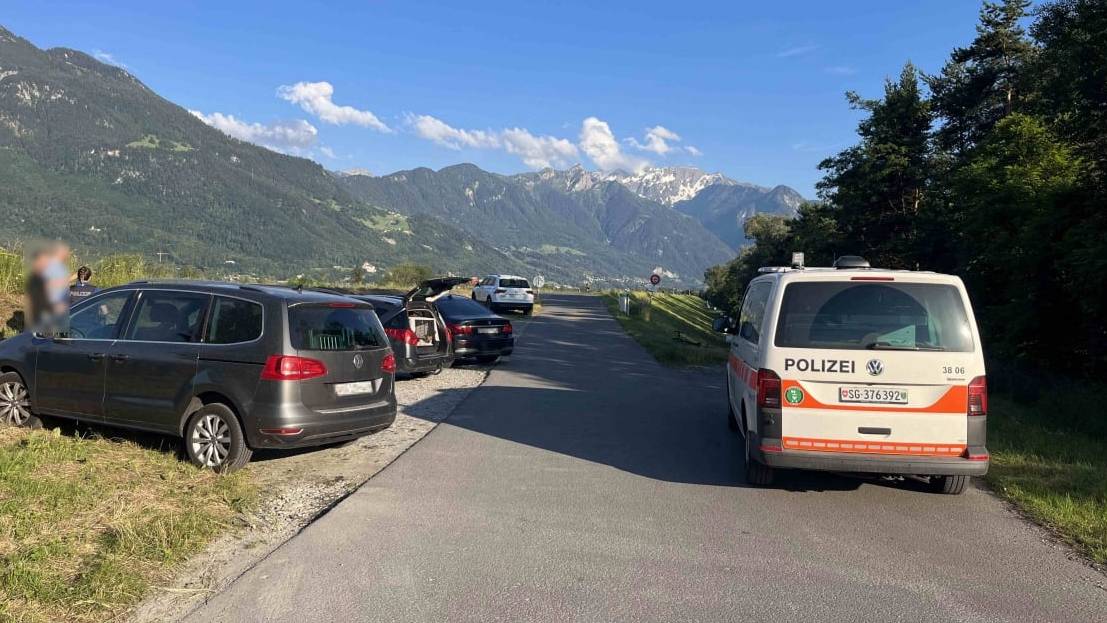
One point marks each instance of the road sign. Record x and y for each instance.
(539, 281)
(655, 279)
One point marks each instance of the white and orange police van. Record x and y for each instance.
(856, 369)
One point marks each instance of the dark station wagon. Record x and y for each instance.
(230, 368)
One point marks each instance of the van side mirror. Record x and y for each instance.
(721, 324)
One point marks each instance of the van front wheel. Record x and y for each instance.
(949, 485)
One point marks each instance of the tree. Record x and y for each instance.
(408, 275)
(982, 83)
(1013, 197)
(877, 187)
(357, 275)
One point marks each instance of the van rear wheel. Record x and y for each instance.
(757, 473)
(214, 439)
(949, 485)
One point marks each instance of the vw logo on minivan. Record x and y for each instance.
(358, 361)
(875, 367)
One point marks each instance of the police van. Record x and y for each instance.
(857, 369)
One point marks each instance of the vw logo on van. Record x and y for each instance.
(875, 367)
(358, 361)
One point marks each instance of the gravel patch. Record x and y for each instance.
(298, 486)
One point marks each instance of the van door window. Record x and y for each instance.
(233, 321)
(168, 317)
(99, 318)
(753, 312)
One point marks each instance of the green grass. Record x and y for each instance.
(87, 526)
(656, 325)
(1050, 460)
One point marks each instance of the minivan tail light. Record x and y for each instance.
(768, 389)
(292, 368)
(501, 291)
(406, 336)
(872, 278)
(507, 329)
(460, 329)
(388, 364)
(978, 396)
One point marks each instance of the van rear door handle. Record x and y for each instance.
(120, 357)
(868, 430)
(96, 356)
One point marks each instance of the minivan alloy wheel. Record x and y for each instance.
(15, 403)
(211, 440)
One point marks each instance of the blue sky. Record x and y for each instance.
(752, 89)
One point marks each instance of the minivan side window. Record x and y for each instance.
(99, 319)
(753, 312)
(233, 321)
(167, 316)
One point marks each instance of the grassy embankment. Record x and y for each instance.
(674, 328)
(1049, 457)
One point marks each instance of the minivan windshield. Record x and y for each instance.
(874, 316)
(331, 327)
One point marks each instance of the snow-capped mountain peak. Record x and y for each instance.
(668, 185)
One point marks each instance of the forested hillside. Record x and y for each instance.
(995, 169)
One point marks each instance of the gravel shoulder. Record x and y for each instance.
(300, 486)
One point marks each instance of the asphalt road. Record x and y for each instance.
(584, 482)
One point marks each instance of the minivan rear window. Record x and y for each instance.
(325, 327)
(514, 283)
(858, 316)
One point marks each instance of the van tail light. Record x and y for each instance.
(388, 364)
(501, 291)
(768, 389)
(292, 368)
(407, 336)
(530, 291)
(460, 329)
(978, 396)
(507, 329)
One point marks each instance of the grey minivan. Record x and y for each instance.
(230, 368)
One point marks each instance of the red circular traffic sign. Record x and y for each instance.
(655, 279)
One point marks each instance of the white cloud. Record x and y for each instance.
(317, 99)
(598, 142)
(693, 150)
(538, 152)
(798, 50)
(657, 140)
(107, 57)
(328, 152)
(294, 136)
(434, 129)
(841, 70)
(535, 151)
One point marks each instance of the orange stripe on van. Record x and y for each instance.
(955, 400)
(743, 371)
(873, 447)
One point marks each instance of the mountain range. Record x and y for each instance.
(91, 155)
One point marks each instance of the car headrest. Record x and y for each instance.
(163, 312)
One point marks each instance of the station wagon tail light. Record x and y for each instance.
(768, 389)
(872, 278)
(507, 329)
(501, 291)
(406, 336)
(460, 329)
(978, 396)
(388, 364)
(292, 368)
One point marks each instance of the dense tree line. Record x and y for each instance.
(994, 169)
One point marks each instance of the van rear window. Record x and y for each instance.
(514, 283)
(877, 316)
(323, 327)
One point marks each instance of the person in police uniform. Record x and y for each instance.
(82, 288)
